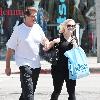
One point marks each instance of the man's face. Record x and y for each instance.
(32, 17)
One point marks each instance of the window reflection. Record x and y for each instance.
(51, 13)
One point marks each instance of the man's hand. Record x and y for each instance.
(50, 44)
(46, 46)
(8, 71)
(8, 57)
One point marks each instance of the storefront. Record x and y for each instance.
(51, 14)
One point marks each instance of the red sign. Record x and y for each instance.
(10, 12)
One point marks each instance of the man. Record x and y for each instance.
(25, 41)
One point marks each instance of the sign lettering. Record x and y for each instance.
(10, 12)
(62, 12)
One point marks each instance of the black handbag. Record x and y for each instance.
(51, 55)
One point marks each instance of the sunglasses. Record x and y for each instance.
(73, 26)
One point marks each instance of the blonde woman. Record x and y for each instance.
(60, 71)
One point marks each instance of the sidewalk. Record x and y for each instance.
(45, 66)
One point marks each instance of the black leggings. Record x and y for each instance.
(28, 78)
(59, 75)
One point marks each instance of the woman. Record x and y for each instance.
(60, 71)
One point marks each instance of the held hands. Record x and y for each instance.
(46, 46)
(50, 44)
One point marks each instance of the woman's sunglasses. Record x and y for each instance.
(73, 26)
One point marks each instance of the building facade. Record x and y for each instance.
(50, 14)
(98, 29)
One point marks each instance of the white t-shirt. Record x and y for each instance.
(25, 41)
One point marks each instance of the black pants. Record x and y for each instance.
(28, 78)
(59, 76)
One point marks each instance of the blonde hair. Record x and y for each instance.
(61, 28)
(63, 24)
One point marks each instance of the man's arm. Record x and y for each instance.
(49, 44)
(9, 54)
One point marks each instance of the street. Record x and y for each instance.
(87, 88)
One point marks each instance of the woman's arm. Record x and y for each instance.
(50, 44)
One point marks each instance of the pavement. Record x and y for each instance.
(46, 66)
(87, 88)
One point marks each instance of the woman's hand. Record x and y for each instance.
(74, 42)
(57, 40)
(50, 44)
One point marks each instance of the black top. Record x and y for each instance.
(63, 46)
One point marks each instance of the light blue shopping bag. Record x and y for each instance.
(77, 63)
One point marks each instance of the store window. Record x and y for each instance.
(50, 14)
(11, 15)
(82, 11)
(88, 37)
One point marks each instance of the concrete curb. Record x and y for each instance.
(92, 70)
(95, 70)
(48, 71)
